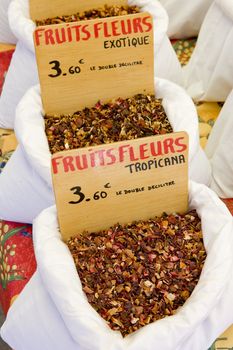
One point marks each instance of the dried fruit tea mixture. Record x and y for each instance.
(106, 11)
(138, 273)
(118, 120)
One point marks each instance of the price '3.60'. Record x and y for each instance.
(56, 66)
(77, 191)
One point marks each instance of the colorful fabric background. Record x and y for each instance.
(5, 58)
(17, 259)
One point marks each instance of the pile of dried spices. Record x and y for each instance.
(138, 273)
(102, 12)
(118, 120)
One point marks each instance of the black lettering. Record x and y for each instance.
(138, 167)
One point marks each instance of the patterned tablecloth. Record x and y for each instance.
(17, 260)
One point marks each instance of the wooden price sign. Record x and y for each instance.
(120, 182)
(46, 9)
(83, 62)
(225, 341)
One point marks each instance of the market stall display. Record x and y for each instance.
(54, 295)
(32, 158)
(204, 330)
(19, 80)
(7, 146)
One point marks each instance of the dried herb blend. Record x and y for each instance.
(118, 120)
(106, 11)
(138, 273)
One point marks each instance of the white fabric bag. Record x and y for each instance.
(57, 315)
(25, 193)
(23, 71)
(6, 36)
(219, 150)
(209, 74)
(185, 16)
(21, 75)
(29, 129)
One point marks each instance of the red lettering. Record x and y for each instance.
(122, 151)
(100, 155)
(60, 35)
(156, 152)
(77, 32)
(55, 164)
(111, 156)
(128, 29)
(137, 26)
(38, 35)
(68, 164)
(81, 162)
(69, 34)
(106, 33)
(49, 39)
(92, 158)
(86, 31)
(114, 28)
(147, 22)
(168, 146)
(132, 155)
(97, 27)
(178, 142)
(142, 151)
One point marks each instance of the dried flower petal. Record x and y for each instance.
(151, 273)
(91, 126)
(102, 12)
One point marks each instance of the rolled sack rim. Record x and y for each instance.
(30, 127)
(23, 27)
(30, 132)
(226, 7)
(20, 23)
(49, 248)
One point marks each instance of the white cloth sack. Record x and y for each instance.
(24, 193)
(185, 17)
(23, 70)
(29, 129)
(209, 74)
(219, 150)
(21, 75)
(57, 315)
(6, 36)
